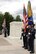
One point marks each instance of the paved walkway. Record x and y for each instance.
(11, 45)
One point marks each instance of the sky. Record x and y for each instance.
(15, 7)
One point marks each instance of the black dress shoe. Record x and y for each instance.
(26, 48)
(22, 46)
(31, 52)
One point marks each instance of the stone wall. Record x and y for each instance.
(15, 29)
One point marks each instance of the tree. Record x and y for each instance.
(18, 18)
(8, 17)
(1, 19)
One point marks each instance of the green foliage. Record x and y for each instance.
(9, 18)
(18, 18)
(1, 19)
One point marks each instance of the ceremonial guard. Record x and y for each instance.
(32, 39)
(31, 31)
(4, 27)
(23, 34)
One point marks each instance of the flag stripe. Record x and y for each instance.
(25, 19)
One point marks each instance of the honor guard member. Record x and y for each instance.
(28, 36)
(24, 38)
(4, 27)
(29, 39)
(32, 38)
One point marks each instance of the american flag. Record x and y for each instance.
(4, 23)
(25, 19)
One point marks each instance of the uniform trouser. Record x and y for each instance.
(8, 27)
(5, 34)
(28, 44)
(31, 45)
(25, 41)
